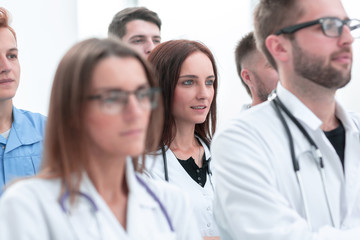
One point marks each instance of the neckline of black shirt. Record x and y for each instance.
(337, 139)
(196, 173)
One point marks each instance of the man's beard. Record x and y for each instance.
(261, 91)
(312, 67)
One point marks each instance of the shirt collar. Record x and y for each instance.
(22, 131)
(297, 108)
(346, 120)
(306, 116)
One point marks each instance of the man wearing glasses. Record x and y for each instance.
(290, 168)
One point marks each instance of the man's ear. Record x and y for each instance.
(278, 46)
(246, 76)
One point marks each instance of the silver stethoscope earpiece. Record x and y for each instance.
(279, 106)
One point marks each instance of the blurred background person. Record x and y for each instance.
(257, 75)
(188, 78)
(137, 26)
(100, 112)
(21, 131)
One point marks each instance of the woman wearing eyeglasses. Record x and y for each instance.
(188, 78)
(100, 113)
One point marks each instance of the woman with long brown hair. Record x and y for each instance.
(188, 78)
(100, 113)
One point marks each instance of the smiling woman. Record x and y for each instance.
(188, 78)
(103, 104)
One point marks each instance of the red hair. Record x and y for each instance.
(4, 21)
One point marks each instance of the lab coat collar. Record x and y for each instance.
(352, 152)
(297, 108)
(22, 132)
(206, 149)
(136, 191)
(349, 124)
(305, 115)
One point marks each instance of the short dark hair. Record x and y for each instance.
(272, 15)
(167, 59)
(117, 26)
(244, 48)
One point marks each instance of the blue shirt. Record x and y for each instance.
(21, 153)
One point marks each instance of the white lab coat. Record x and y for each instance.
(201, 198)
(257, 196)
(30, 210)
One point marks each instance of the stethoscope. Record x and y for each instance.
(278, 106)
(166, 172)
(95, 209)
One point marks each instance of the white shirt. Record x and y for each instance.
(30, 209)
(245, 107)
(257, 195)
(201, 198)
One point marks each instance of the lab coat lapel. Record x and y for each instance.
(352, 160)
(143, 211)
(140, 205)
(109, 227)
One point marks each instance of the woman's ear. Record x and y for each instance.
(278, 46)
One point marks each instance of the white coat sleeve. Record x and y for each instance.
(20, 216)
(247, 202)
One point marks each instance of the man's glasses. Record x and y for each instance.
(331, 27)
(115, 100)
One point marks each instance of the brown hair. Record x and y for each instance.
(244, 48)
(4, 21)
(117, 26)
(167, 59)
(65, 153)
(269, 17)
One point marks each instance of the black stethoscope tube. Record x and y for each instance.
(278, 106)
(166, 172)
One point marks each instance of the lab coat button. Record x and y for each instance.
(208, 225)
(208, 208)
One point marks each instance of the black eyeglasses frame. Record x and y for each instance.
(297, 27)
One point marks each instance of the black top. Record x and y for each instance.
(337, 139)
(196, 173)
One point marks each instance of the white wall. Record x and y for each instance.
(217, 24)
(349, 96)
(47, 28)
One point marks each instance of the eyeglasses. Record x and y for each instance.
(331, 27)
(115, 100)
